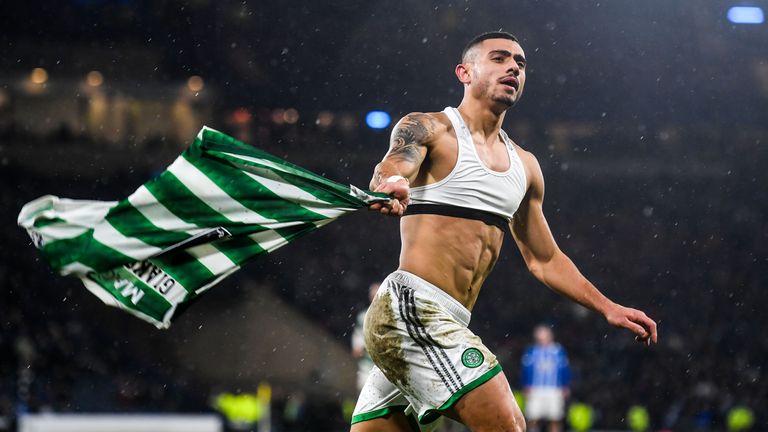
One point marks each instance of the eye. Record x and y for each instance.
(521, 64)
(498, 59)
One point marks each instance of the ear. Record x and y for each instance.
(463, 73)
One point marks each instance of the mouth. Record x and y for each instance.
(510, 81)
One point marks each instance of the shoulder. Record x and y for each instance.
(528, 158)
(436, 119)
(423, 126)
(533, 174)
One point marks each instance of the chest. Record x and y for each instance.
(493, 155)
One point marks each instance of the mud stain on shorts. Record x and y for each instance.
(383, 340)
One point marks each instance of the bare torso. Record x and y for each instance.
(455, 254)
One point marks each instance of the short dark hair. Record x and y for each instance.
(485, 36)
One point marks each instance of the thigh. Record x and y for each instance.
(491, 406)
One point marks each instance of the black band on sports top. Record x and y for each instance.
(459, 212)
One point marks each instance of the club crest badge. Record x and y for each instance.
(472, 358)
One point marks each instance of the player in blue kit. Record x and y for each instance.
(546, 376)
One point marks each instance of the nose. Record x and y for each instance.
(515, 69)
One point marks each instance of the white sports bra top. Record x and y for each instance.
(471, 184)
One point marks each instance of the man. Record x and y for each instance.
(546, 376)
(462, 181)
(364, 362)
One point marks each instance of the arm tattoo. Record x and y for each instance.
(413, 131)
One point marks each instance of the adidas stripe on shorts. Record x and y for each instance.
(426, 358)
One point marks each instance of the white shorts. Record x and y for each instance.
(545, 403)
(426, 358)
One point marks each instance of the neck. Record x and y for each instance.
(481, 117)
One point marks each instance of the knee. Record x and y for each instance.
(509, 419)
(511, 427)
(515, 423)
(512, 422)
(518, 426)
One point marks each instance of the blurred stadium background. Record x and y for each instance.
(650, 120)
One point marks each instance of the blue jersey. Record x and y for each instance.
(546, 366)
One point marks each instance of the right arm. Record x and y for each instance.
(408, 147)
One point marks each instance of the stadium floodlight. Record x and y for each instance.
(377, 119)
(746, 15)
(38, 76)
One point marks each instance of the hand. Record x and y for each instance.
(635, 321)
(400, 192)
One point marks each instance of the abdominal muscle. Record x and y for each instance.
(454, 254)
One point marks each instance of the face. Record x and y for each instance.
(495, 71)
(542, 335)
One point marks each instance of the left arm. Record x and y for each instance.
(552, 267)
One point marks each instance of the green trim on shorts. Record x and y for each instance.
(378, 413)
(432, 414)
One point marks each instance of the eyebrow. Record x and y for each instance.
(507, 53)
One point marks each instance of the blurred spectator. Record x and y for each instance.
(546, 377)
